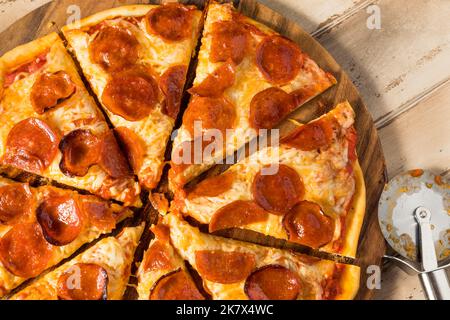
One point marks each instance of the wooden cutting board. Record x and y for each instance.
(53, 16)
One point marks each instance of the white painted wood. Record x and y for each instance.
(407, 56)
(420, 137)
(12, 10)
(396, 284)
(312, 15)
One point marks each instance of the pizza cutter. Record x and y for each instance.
(414, 216)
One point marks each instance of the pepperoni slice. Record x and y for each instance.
(279, 192)
(161, 232)
(214, 113)
(176, 285)
(303, 94)
(112, 159)
(157, 257)
(131, 94)
(171, 21)
(311, 136)
(273, 282)
(15, 202)
(217, 82)
(172, 85)
(83, 281)
(224, 267)
(278, 59)
(50, 89)
(308, 225)
(60, 219)
(229, 41)
(133, 147)
(31, 146)
(80, 150)
(269, 107)
(24, 251)
(213, 186)
(100, 214)
(236, 214)
(114, 48)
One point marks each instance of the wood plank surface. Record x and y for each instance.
(419, 138)
(391, 66)
(374, 59)
(12, 10)
(315, 16)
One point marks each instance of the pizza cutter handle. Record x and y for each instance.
(435, 283)
(439, 284)
(427, 286)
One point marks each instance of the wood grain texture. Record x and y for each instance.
(371, 247)
(12, 10)
(417, 149)
(391, 66)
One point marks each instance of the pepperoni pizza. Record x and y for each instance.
(51, 126)
(248, 78)
(136, 59)
(100, 273)
(234, 270)
(315, 195)
(41, 226)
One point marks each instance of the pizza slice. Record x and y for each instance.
(309, 189)
(52, 127)
(235, 270)
(136, 59)
(248, 79)
(100, 273)
(163, 268)
(41, 226)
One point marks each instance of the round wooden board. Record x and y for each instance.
(54, 15)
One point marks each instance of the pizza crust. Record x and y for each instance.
(126, 11)
(26, 52)
(355, 216)
(349, 282)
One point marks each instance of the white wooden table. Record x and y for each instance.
(402, 70)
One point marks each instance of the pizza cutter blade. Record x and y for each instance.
(414, 216)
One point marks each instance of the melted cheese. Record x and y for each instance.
(324, 174)
(115, 255)
(154, 130)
